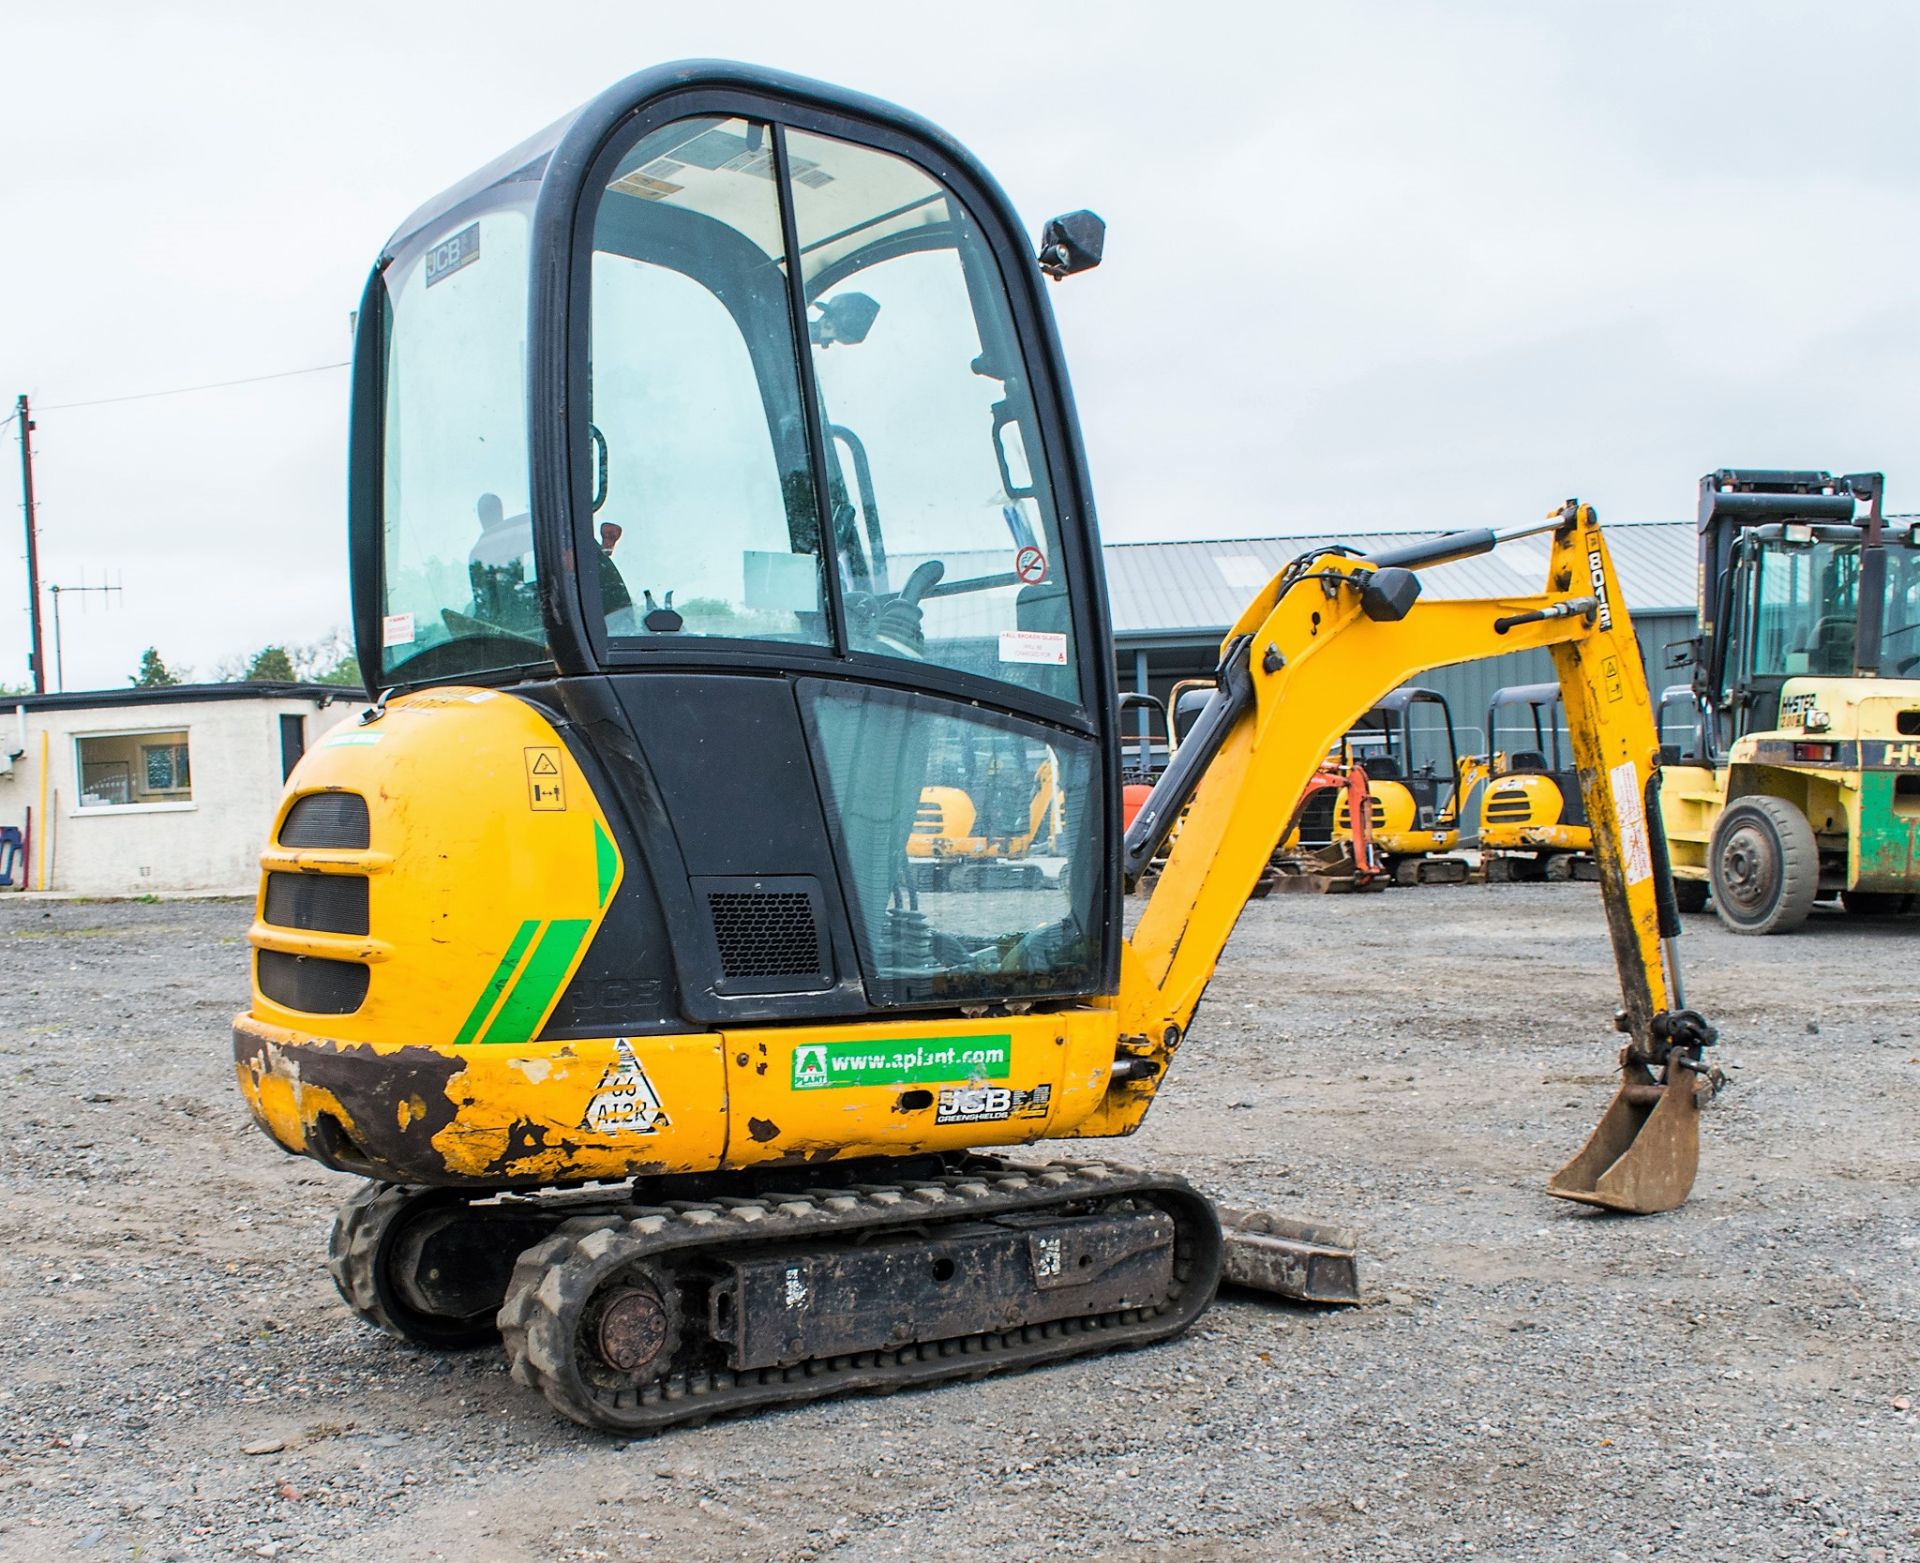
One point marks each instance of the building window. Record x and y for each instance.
(125, 770)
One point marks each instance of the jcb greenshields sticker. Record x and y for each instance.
(819, 1065)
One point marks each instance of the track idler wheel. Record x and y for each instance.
(424, 1265)
(592, 1326)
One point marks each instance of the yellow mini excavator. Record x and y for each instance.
(1415, 784)
(591, 942)
(1532, 825)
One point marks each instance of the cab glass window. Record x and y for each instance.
(970, 844)
(1900, 621)
(1530, 737)
(459, 580)
(703, 507)
(1806, 609)
(939, 499)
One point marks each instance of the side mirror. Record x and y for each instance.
(846, 319)
(1072, 242)
(1682, 653)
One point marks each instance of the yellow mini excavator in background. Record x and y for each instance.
(1415, 784)
(1532, 823)
(593, 944)
(995, 825)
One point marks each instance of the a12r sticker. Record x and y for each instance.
(625, 1101)
(990, 1103)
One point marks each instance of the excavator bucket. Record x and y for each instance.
(1643, 1154)
(1301, 1260)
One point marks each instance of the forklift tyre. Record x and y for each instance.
(1765, 866)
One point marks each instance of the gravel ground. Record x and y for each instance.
(1529, 1379)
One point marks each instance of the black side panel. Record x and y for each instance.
(708, 788)
(731, 762)
(1574, 808)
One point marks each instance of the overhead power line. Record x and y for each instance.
(184, 390)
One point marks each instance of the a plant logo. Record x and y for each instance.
(809, 1067)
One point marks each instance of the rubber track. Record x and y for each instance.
(554, 1280)
(356, 1258)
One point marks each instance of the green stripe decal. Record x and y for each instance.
(490, 994)
(606, 863)
(534, 993)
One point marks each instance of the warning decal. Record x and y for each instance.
(1631, 813)
(625, 1102)
(545, 787)
(1039, 646)
(1030, 565)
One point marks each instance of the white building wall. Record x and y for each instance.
(209, 843)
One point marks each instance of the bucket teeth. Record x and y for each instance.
(1301, 1260)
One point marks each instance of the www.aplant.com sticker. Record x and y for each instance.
(818, 1065)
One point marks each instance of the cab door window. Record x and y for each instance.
(941, 511)
(703, 506)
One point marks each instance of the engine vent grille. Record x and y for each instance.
(764, 934)
(770, 933)
(1376, 813)
(1508, 807)
(328, 819)
(310, 983)
(324, 903)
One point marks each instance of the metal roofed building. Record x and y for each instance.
(1173, 602)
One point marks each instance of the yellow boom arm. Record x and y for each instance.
(1321, 644)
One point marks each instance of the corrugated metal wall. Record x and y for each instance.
(1467, 686)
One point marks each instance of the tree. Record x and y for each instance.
(271, 665)
(345, 673)
(328, 660)
(153, 673)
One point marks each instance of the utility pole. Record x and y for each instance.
(38, 659)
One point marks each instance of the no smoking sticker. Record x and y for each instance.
(1030, 565)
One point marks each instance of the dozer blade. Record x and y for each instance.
(1297, 1259)
(1644, 1153)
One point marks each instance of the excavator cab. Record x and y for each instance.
(1533, 820)
(1407, 747)
(726, 420)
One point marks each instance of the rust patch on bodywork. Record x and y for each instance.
(354, 1080)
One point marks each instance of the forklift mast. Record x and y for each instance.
(1738, 506)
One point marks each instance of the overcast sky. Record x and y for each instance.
(1368, 264)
